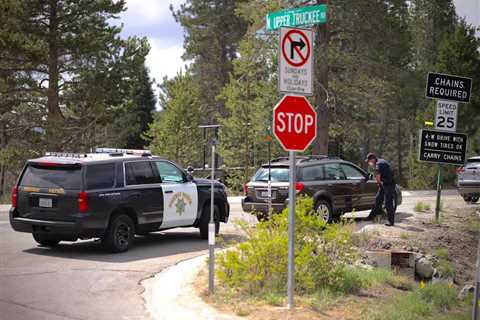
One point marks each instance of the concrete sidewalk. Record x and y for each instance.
(170, 295)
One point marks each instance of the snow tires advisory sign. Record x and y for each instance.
(442, 147)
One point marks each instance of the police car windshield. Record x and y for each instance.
(52, 177)
(278, 174)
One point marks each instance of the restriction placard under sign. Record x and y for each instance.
(296, 61)
(442, 147)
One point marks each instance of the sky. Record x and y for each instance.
(153, 19)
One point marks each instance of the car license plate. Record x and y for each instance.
(45, 202)
(264, 194)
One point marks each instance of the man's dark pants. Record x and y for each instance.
(386, 193)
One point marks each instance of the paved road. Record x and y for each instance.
(80, 281)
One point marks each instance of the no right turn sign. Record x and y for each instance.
(295, 61)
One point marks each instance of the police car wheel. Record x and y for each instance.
(324, 210)
(46, 240)
(120, 234)
(205, 220)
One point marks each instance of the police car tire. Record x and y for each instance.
(120, 234)
(46, 240)
(474, 199)
(205, 220)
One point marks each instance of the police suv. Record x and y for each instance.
(112, 195)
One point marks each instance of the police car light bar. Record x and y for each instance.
(65, 155)
(123, 151)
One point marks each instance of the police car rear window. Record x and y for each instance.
(52, 177)
(140, 172)
(100, 176)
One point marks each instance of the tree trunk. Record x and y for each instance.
(54, 114)
(399, 150)
(320, 145)
(3, 168)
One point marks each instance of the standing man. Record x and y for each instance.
(386, 188)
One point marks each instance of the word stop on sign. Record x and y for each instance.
(294, 122)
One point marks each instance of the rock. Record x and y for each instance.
(465, 291)
(424, 268)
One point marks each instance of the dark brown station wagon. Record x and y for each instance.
(337, 186)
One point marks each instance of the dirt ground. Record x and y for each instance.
(417, 232)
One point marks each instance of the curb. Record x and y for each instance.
(170, 295)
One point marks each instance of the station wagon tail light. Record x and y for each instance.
(14, 197)
(299, 186)
(83, 202)
(461, 170)
(245, 189)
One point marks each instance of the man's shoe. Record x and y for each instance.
(389, 224)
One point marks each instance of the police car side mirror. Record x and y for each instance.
(190, 177)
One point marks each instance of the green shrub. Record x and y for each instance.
(322, 253)
(423, 303)
(440, 295)
(422, 207)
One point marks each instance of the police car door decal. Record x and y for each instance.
(180, 198)
(180, 201)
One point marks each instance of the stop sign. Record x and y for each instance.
(294, 123)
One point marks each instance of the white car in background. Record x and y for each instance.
(468, 181)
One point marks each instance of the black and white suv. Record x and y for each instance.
(111, 195)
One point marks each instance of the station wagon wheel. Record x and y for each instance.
(467, 198)
(474, 199)
(323, 209)
(120, 234)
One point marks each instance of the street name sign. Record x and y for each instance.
(294, 123)
(446, 116)
(295, 63)
(442, 147)
(297, 17)
(448, 87)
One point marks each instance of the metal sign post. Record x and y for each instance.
(211, 224)
(211, 227)
(439, 193)
(477, 285)
(291, 233)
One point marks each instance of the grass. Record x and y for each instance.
(404, 236)
(444, 265)
(430, 302)
(421, 206)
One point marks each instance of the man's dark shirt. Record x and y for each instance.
(386, 174)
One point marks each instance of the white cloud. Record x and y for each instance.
(147, 12)
(164, 60)
(469, 9)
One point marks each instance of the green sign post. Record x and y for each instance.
(297, 17)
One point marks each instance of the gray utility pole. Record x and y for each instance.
(477, 284)
(439, 193)
(291, 232)
(211, 225)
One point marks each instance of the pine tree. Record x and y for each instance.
(212, 33)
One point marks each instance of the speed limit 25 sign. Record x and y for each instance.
(446, 116)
